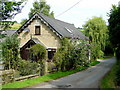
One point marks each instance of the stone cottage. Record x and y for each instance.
(41, 29)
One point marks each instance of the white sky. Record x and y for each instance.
(78, 15)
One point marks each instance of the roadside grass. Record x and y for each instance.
(45, 78)
(94, 63)
(105, 57)
(112, 78)
(109, 80)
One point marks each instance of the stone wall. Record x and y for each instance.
(47, 37)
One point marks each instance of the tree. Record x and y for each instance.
(10, 52)
(41, 6)
(8, 9)
(23, 21)
(114, 28)
(114, 34)
(96, 29)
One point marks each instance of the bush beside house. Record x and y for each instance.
(72, 55)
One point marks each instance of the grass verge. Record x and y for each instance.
(30, 82)
(109, 80)
(112, 79)
(106, 57)
(94, 63)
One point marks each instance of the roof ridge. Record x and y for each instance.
(57, 19)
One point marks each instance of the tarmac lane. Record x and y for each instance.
(89, 78)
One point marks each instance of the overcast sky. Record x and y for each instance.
(78, 15)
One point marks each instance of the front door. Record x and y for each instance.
(25, 54)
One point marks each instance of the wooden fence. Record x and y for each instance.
(7, 76)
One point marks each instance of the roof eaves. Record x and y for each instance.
(26, 23)
(51, 27)
(44, 21)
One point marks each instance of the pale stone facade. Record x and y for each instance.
(48, 38)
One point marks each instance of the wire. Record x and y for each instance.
(69, 8)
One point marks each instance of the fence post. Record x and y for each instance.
(7, 76)
(46, 66)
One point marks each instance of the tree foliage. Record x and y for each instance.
(38, 52)
(41, 6)
(114, 34)
(96, 29)
(8, 9)
(23, 21)
(71, 55)
(10, 52)
(114, 28)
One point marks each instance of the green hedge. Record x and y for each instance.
(27, 67)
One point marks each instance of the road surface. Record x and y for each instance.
(89, 78)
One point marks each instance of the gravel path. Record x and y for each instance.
(89, 78)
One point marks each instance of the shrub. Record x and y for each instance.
(71, 55)
(51, 67)
(81, 54)
(2, 36)
(101, 54)
(38, 52)
(62, 57)
(27, 67)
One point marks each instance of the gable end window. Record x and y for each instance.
(37, 30)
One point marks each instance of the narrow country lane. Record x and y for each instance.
(89, 78)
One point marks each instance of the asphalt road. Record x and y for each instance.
(89, 78)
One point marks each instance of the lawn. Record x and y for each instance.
(30, 82)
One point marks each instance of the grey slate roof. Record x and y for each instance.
(34, 41)
(61, 27)
(9, 32)
(64, 29)
(38, 42)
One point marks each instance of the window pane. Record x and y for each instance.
(37, 30)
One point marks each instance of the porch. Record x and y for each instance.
(25, 50)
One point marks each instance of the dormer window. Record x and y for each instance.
(37, 30)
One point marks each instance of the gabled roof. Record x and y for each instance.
(60, 28)
(33, 41)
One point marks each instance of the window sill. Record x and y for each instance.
(37, 34)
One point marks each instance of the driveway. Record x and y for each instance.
(89, 78)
